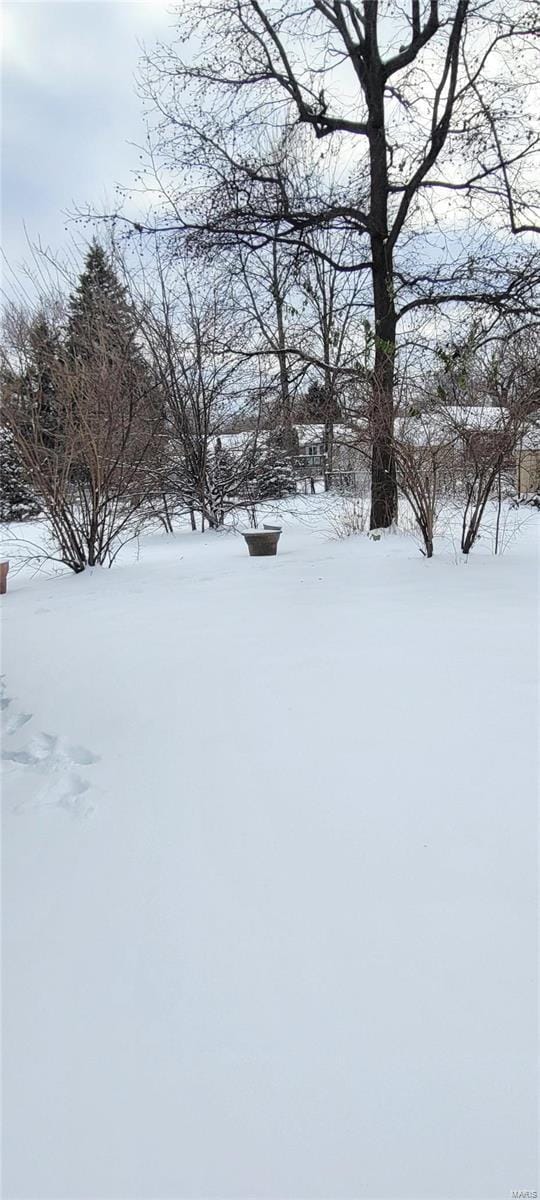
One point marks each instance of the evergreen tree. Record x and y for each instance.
(99, 306)
(276, 471)
(38, 387)
(17, 501)
(103, 329)
(104, 356)
(318, 406)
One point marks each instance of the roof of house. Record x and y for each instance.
(449, 422)
(424, 428)
(531, 439)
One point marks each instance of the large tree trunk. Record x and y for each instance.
(383, 467)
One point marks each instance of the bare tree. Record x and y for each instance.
(265, 285)
(193, 335)
(429, 107)
(331, 336)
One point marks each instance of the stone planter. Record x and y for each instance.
(262, 542)
(4, 568)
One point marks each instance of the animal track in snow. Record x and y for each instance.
(49, 761)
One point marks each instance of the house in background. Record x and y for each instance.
(528, 463)
(312, 449)
(341, 464)
(460, 434)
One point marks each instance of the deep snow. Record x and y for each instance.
(269, 873)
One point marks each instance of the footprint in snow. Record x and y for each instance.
(69, 793)
(51, 758)
(17, 722)
(5, 700)
(51, 753)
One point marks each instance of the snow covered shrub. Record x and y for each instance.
(272, 475)
(277, 471)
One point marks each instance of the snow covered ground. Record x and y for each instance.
(269, 873)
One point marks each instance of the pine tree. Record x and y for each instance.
(104, 356)
(318, 406)
(98, 306)
(103, 328)
(17, 501)
(39, 385)
(275, 474)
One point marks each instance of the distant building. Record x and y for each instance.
(528, 464)
(459, 430)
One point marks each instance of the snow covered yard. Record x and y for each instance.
(269, 871)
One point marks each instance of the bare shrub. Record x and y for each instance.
(421, 456)
(88, 443)
(490, 401)
(351, 518)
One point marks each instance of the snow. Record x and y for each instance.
(531, 439)
(269, 872)
(308, 435)
(448, 423)
(311, 434)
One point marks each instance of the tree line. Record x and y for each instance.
(348, 235)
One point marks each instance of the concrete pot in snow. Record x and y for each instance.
(262, 542)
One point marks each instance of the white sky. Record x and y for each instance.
(69, 110)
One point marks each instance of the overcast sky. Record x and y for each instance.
(69, 109)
